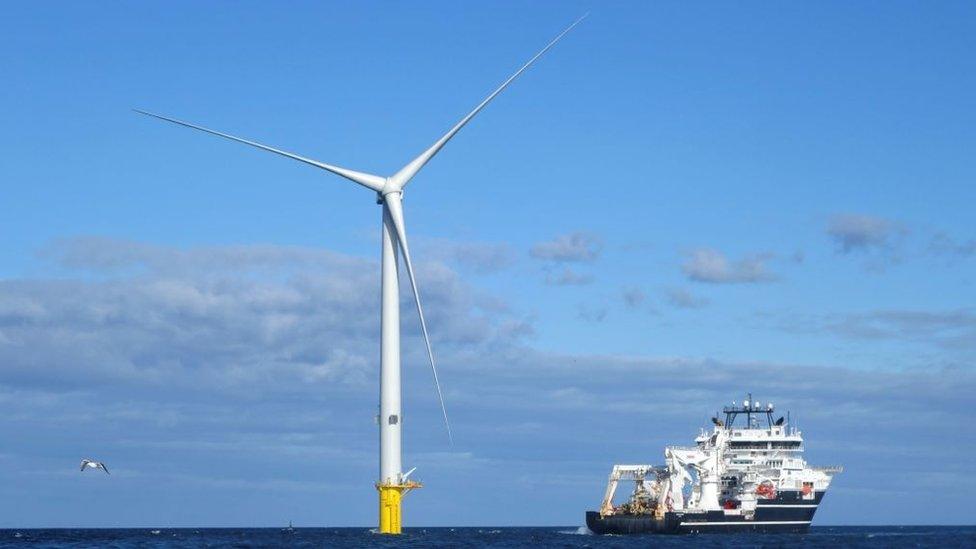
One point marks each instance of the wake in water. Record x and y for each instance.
(581, 531)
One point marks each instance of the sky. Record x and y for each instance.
(678, 205)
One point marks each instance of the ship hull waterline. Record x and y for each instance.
(786, 514)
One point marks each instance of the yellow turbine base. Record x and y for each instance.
(390, 496)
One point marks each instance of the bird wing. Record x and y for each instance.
(104, 468)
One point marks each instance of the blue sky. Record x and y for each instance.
(677, 205)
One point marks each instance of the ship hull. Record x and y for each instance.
(789, 512)
(625, 524)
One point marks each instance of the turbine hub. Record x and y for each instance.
(389, 187)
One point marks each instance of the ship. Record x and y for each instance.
(744, 474)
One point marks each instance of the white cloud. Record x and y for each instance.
(709, 265)
(633, 297)
(477, 257)
(859, 232)
(948, 329)
(574, 247)
(681, 298)
(953, 331)
(567, 277)
(221, 317)
(265, 370)
(941, 243)
(591, 313)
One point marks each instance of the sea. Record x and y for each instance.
(568, 537)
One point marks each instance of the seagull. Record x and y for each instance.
(92, 464)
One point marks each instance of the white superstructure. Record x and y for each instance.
(745, 461)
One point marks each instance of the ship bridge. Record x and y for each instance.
(752, 437)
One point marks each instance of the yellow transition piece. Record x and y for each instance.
(390, 496)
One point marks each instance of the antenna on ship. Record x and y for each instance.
(749, 404)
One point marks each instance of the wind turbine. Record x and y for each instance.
(392, 483)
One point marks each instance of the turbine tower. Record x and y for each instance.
(392, 483)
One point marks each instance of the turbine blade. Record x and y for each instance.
(395, 210)
(402, 177)
(373, 182)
